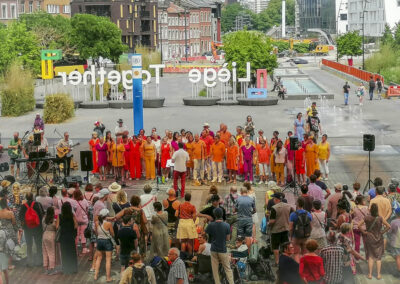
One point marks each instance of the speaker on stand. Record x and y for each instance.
(86, 158)
(368, 145)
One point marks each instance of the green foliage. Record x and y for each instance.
(17, 95)
(396, 37)
(229, 14)
(149, 57)
(52, 32)
(106, 88)
(249, 46)
(16, 42)
(272, 16)
(385, 62)
(349, 44)
(58, 108)
(281, 45)
(301, 47)
(203, 93)
(387, 37)
(96, 36)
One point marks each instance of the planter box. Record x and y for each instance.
(120, 104)
(200, 101)
(257, 102)
(94, 105)
(153, 102)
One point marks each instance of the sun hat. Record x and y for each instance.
(120, 120)
(103, 192)
(206, 124)
(104, 212)
(114, 187)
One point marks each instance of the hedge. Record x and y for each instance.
(17, 92)
(58, 108)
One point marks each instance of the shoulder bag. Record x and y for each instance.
(108, 235)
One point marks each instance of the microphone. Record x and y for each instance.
(26, 132)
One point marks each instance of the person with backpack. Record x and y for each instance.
(137, 272)
(300, 228)
(394, 198)
(371, 84)
(30, 215)
(314, 124)
(379, 86)
(346, 89)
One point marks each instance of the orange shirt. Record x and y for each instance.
(208, 141)
(218, 151)
(225, 136)
(264, 154)
(199, 149)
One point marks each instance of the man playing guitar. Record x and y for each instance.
(64, 148)
(14, 150)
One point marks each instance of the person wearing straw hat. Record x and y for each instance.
(120, 128)
(92, 144)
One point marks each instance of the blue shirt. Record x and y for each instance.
(293, 216)
(372, 193)
(245, 206)
(218, 232)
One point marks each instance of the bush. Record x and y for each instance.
(149, 57)
(301, 47)
(17, 96)
(58, 108)
(203, 93)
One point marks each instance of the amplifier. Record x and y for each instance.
(72, 180)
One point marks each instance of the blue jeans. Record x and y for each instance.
(346, 98)
(371, 93)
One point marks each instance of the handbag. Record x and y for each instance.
(88, 230)
(109, 236)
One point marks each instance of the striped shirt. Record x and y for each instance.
(333, 263)
(177, 271)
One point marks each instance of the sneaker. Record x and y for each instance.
(163, 180)
(52, 272)
(325, 178)
(261, 182)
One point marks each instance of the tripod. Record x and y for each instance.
(37, 178)
(368, 184)
(293, 184)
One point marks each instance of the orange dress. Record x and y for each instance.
(118, 159)
(218, 152)
(225, 136)
(263, 154)
(189, 150)
(109, 154)
(92, 145)
(311, 159)
(232, 153)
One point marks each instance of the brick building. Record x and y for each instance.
(8, 10)
(137, 19)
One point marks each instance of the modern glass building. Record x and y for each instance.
(317, 14)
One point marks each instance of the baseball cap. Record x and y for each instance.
(103, 192)
(397, 211)
(214, 197)
(278, 195)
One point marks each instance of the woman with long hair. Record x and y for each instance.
(136, 164)
(374, 243)
(82, 218)
(92, 144)
(118, 159)
(160, 236)
(174, 142)
(49, 241)
(248, 152)
(127, 156)
(358, 214)
(102, 158)
(149, 155)
(299, 127)
(105, 234)
(311, 150)
(109, 141)
(166, 154)
(280, 156)
(67, 225)
(324, 153)
(249, 126)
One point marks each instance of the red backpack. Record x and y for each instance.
(31, 217)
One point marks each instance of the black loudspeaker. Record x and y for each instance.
(71, 181)
(37, 139)
(369, 142)
(293, 143)
(86, 161)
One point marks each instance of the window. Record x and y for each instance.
(13, 11)
(4, 11)
(38, 8)
(53, 9)
(67, 9)
(343, 17)
(30, 6)
(398, 3)
(22, 7)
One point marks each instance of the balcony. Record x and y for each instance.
(145, 14)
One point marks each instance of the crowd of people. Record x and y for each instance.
(319, 239)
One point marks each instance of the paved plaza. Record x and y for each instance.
(345, 126)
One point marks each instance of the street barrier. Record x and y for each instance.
(352, 71)
(393, 91)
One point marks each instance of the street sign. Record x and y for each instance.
(51, 54)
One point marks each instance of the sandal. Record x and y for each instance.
(369, 276)
(379, 277)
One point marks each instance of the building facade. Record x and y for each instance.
(57, 7)
(8, 10)
(342, 26)
(137, 19)
(260, 5)
(316, 14)
(377, 13)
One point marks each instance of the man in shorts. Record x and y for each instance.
(14, 151)
(279, 222)
(245, 208)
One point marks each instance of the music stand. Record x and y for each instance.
(37, 139)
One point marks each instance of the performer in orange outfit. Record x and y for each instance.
(208, 140)
(136, 156)
(149, 155)
(92, 144)
(166, 154)
(272, 146)
(199, 153)
(189, 150)
(224, 134)
(232, 159)
(217, 153)
(264, 160)
(127, 155)
(118, 159)
(109, 142)
(311, 156)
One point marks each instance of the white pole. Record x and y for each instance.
(283, 18)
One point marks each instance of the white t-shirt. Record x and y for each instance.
(120, 129)
(158, 145)
(180, 158)
(147, 201)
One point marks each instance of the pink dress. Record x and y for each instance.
(101, 155)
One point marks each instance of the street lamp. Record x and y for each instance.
(186, 46)
(363, 33)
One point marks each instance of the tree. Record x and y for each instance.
(52, 32)
(229, 14)
(387, 36)
(396, 38)
(96, 36)
(249, 46)
(272, 16)
(349, 44)
(17, 43)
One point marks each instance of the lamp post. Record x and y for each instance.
(186, 47)
(363, 34)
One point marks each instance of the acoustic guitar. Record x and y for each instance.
(62, 151)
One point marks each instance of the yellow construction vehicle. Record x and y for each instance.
(321, 50)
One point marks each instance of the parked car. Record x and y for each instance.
(298, 61)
